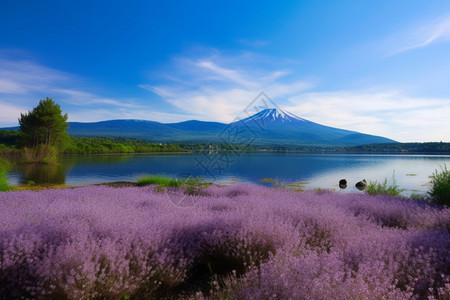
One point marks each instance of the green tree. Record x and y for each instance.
(43, 131)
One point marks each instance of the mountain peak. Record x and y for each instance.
(276, 115)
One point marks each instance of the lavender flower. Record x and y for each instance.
(239, 241)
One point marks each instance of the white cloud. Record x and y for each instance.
(221, 73)
(9, 114)
(95, 115)
(24, 76)
(11, 87)
(437, 30)
(214, 105)
(218, 88)
(391, 114)
(82, 98)
(24, 82)
(208, 90)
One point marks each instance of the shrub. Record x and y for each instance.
(440, 187)
(194, 185)
(40, 154)
(376, 188)
(5, 166)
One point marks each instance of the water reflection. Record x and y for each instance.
(318, 170)
(43, 173)
(25, 173)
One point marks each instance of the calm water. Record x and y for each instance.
(309, 170)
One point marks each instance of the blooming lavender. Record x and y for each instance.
(237, 241)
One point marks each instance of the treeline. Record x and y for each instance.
(10, 139)
(104, 145)
(200, 147)
(402, 148)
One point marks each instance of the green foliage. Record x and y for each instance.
(440, 187)
(5, 167)
(98, 145)
(9, 137)
(191, 185)
(43, 130)
(40, 154)
(160, 181)
(418, 197)
(8, 140)
(194, 186)
(375, 188)
(91, 145)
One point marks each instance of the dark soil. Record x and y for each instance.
(119, 184)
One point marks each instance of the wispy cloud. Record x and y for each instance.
(222, 74)
(9, 114)
(83, 98)
(24, 76)
(393, 114)
(101, 114)
(23, 82)
(221, 88)
(433, 31)
(218, 87)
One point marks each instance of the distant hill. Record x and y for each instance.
(428, 148)
(269, 127)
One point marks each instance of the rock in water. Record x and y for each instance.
(361, 185)
(343, 184)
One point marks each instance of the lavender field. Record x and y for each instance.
(232, 242)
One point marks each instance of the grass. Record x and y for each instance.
(5, 167)
(191, 185)
(160, 181)
(267, 180)
(439, 191)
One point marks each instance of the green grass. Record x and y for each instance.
(376, 188)
(160, 181)
(439, 191)
(5, 167)
(191, 185)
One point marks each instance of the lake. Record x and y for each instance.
(305, 170)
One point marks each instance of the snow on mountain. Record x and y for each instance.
(274, 115)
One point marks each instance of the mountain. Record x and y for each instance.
(188, 131)
(274, 127)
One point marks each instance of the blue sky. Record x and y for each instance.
(378, 67)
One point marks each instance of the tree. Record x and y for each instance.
(43, 131)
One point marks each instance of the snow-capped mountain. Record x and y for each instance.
(271, 126)
(274, 115)
(277, 127)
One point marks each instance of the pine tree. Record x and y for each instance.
(43, 131)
